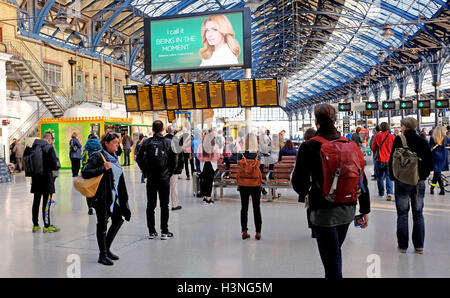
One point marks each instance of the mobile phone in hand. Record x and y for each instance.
(359, 220)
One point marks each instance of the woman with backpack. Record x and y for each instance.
(111, 199)
(92, 146)
(249, 180)
(438, 143)
(75, 154)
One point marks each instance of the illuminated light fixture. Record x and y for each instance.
(61, 21)
(381, 56)
(387, 33)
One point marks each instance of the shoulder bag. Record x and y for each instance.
(88, 187)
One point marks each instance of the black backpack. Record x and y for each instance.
(33, 161)
(155, 155)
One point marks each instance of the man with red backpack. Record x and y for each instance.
(330, 171)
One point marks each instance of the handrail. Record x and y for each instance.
(30, 123)
(41, 67)
(24, 55)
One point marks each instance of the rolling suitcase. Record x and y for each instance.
(196, 185)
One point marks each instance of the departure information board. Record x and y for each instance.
(131, 98)
(186, 97)
(215, 94)
(231, 94)
(171, 91)
(144, 98)
(201, 95)
(266, 92)
(246, 91)
(171, 116)
(158, 97)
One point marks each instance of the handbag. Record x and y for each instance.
(88, 187)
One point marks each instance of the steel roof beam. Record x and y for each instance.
(410, 17)
(101, 32)
(40, 16)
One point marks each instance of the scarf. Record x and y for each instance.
(116, 172)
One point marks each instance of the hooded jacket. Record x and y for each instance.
(45, 184)
(92, 146)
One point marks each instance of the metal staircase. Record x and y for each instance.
(30, 70)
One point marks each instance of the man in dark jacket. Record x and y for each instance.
(75, 154)
(356, 137)
(176, 147)
(44, 185)
(404, 192)
(12, 155)
(330, 221)
(127, 143)
(157, 161)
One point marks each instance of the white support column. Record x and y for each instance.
(4, 143)
(155, 80)
(248, 111)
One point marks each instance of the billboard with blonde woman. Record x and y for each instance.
(219, 40)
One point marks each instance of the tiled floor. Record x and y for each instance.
(207, 240)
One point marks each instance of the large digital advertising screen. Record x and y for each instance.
(219, 40)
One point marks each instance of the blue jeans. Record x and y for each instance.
(403, 194)
(330, 240)
(126, 157)
(382, 172)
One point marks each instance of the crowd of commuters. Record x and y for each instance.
(162, 159)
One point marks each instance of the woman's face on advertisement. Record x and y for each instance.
(212, 34)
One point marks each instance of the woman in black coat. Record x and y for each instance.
(111, 199)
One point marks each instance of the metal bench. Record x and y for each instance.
(279, 177)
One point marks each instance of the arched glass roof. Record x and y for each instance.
(357, 43)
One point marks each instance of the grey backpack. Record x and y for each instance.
(405, 164)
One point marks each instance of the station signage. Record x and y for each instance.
(442, 104)
(344, 106)
(406, 105)
(423, 104)
(371, 106)
(388, 105)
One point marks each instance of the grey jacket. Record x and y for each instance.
(19, 148)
